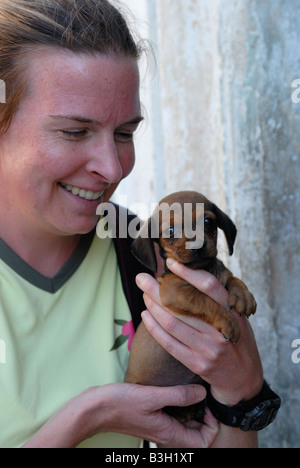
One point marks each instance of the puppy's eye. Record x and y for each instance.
(168, 233)
(171, 232)
(209, 222)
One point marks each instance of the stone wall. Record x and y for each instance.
(221, 119)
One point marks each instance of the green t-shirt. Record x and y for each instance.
(56, 338)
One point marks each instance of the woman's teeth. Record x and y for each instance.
(85, 194)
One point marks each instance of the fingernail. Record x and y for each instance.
(140, 279)
(170, 262)
(200, 393)
(145, 316)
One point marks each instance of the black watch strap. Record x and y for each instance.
(251, 415)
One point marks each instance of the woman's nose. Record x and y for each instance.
(104, 162)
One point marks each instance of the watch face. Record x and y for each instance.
(263, 415)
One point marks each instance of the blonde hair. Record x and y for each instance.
(78, 25)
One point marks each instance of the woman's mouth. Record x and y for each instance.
(82, 193)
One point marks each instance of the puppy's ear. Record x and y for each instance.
(225, 223)
(143, 247)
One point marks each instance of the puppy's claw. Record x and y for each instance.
(242, 301)
(228, 340)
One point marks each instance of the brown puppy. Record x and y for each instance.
(149, 363)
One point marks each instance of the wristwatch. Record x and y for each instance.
(251, 415)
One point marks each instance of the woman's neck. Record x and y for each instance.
(43, 252)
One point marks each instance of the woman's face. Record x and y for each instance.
(71, 140)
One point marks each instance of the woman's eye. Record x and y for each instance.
(122, 136)
(75, 134)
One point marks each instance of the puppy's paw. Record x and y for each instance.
(230, 330)
(242, 301)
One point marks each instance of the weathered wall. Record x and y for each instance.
(221, 120)
(259, 46)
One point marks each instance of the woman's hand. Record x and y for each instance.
(128, 409)
(233, 371)
(137, 410)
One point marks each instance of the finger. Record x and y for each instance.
(151, 289)
(202, 280)
(184, 328)
(195, 435)
(177, 349)
(210, 428)
(180, 395)
(186, 395)
(149, 286)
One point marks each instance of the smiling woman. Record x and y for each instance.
(66, 141)
(51, 56)
(68, 164)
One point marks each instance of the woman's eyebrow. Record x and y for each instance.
(136, 121)
(76, 118)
